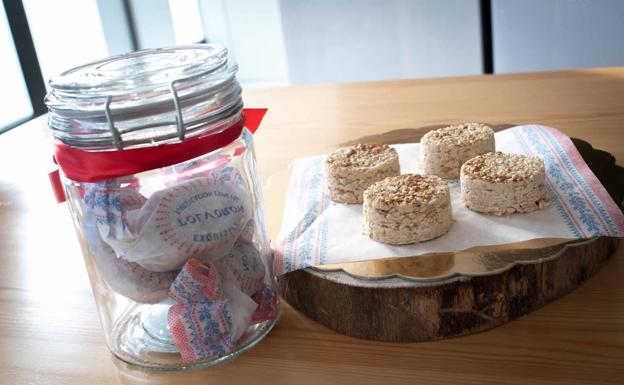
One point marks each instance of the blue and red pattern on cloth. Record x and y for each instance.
(317, 231)
(266, 298)
(197, 281)
(583, 202)
(201, 322)
(306, 197)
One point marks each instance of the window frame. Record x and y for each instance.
(27, 54)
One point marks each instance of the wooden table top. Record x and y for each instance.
(50, 333)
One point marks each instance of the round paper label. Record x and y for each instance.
(198, 216)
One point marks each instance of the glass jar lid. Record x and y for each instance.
(145, 98)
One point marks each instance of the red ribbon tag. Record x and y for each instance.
(95, 166)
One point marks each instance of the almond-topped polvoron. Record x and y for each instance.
(350, 170)
(499, 183)
(443, 151)
(407, 208)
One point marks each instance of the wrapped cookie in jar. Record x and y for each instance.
(157, 164)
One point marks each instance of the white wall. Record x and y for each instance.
(115, 26)
(154, 26)
(278, 42)
(342, 41)
(252, 31)
(66, 33)
(538, 35)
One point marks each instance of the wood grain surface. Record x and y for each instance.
(50, 334)
(396, 310)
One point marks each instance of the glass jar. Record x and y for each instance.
(158, 169)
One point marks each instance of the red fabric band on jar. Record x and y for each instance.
(95, 166)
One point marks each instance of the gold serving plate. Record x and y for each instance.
(482, 260)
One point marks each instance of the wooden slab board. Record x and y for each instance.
(400, 308)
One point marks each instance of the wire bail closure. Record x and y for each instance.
(111, 124)
(178, 110)
(179, 120)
